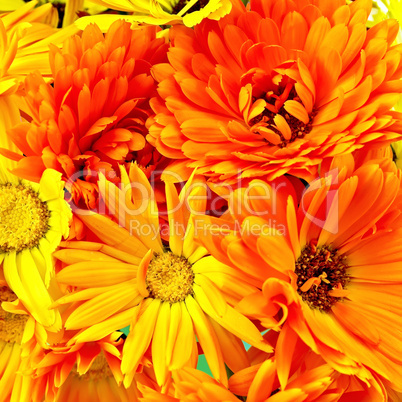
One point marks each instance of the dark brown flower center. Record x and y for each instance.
(182, 3)
(321, 276)
(61, 9)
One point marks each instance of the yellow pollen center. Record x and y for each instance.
(169, 277)
(99, 370)
(23, 218)
(11, 325)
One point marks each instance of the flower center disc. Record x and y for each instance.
(320, 271)
(11, 325)
(182, 3)
(23, 218)
(169, 277)
(299, 129)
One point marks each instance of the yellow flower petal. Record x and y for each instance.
(208, 340)
(159, 343)
(139, 339)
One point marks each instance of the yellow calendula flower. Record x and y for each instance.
(11, 331)
(21, 338)
(163, 12)
(33, 219)
(168, 294)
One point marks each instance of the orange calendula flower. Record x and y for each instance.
(318, 381)
(329, 269)
(92, 369)
(275, 89)
(262, 384)
(93, 116)
(311, 380)
(169, 295)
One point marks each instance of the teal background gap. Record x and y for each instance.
(203, 365)
(202, 361)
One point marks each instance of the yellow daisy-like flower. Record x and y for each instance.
(169, 295)
(11, 330)
(163, 12)
(21, 340)
(25, 35)
(33, 219)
